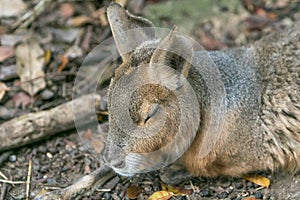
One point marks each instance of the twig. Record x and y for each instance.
(3, 191)
(1, 174)
(12, 182)
(195, 189)
(30, 16)
(28, 179)
(103, 190)
(85, 185)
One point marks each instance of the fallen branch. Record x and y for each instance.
(84, 185)
(34, 127)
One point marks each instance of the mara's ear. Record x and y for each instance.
(175, 51)
(122, 21)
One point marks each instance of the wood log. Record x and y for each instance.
(34, 127)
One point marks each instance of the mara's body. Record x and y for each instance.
(262, 121)
(261, 116)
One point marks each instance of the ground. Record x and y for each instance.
(66, 31)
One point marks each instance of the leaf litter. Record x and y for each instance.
(30, 63)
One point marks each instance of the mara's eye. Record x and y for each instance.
(153, 110)
(148, 112)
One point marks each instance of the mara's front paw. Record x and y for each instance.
(174, 174)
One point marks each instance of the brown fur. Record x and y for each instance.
(261, 129)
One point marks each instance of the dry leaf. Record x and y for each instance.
(30, 61)
(209, 42)
(94, 142)
(175, 190)
(272, 16)
(73, 52)
(87, 135)
(67, 10)
(261, 12)
(64, 61)
(47, 56)
(87, 169)
(10, 8)
(258, 180)
(101, 15)
(134, 191)
(172, 189)
(98, 145)
(256, 22)
(249, 198)
(122, 2)
(161, 195)
(3, 30)
(41, 193)
(3, 89)
(6, 52)
(70, 143)
(282, 3)
(21, 99)
(79, 20)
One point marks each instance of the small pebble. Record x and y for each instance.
(53, 150)
(44, 169)
(222, 195)
(249, 184)
(47, 94)
(106, 195)
(42, 149)
(232, 196)
(258, 195)
(113, 183)
(229, 189)
(115, 197)
(51, 181)
(238, 185)
(156, 186)
(12, 158)
(205, 193)
(49, 155)
(238, 198)
(147, 189)
(119, 187)
(122, 193)
(8, 113)
(226, 183)
(8, 72)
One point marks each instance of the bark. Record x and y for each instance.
(34, 127)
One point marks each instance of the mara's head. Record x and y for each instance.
(153, 110)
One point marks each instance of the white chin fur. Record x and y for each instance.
(139, 163)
